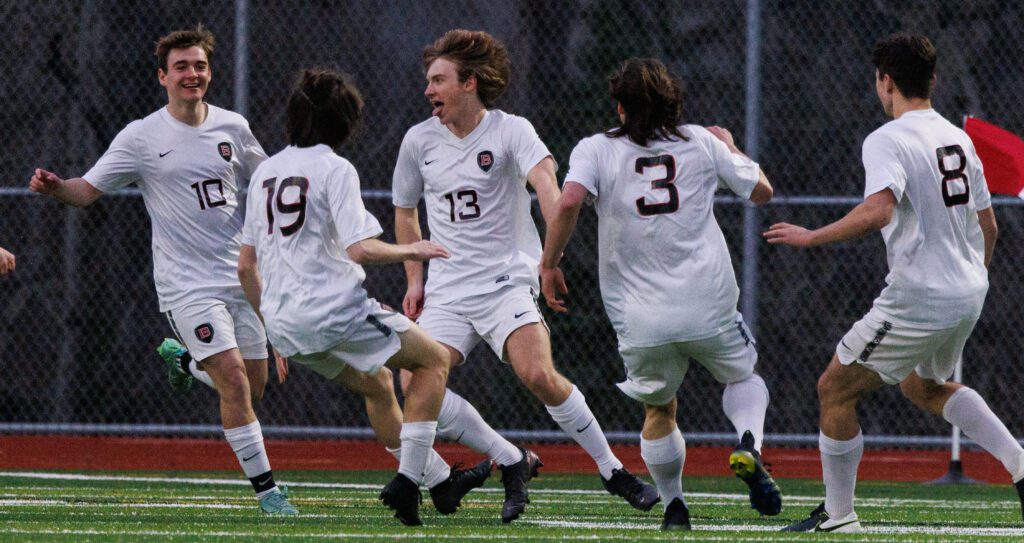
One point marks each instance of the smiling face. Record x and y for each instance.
(451, 99)
(188, 75)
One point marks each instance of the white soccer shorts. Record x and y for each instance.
(373, 342)
(893, 350)
(493, 316)
(211, 326)
(654, 374)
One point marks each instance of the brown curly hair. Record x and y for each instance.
(477, 54)
(183, 39)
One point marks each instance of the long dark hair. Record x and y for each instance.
(652, 99)
(324, 108)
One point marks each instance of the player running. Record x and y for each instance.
(307, 236)
(471, 164)
(926, 192)
(191, 160)
(666, 277)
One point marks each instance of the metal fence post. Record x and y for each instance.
(751, 216)
(242, 57)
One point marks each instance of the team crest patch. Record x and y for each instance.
(485, 160)
(224, 148)
(204, 332)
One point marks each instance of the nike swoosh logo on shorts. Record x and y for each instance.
(167, 153)
(521, 314)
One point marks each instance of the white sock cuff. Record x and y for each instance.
(451, 407)
(568, 407)
(834, 447)
(421, 433)
(961, 394)
(664, 449)
(244, 435)
(397, 453)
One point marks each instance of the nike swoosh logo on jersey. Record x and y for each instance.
(818, 528)
(250, 458)
(521, 314)
(167, 153)
(429, 162)
(580, 430)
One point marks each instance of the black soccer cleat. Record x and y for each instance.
(1019, 485)
(633, 489)
(820, 521)
(403, 496)
(447, 495)
(677, 516)
(745, 462)
(514, 478)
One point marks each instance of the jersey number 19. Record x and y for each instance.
(290, 208)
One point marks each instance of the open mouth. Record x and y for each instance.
(438, 105)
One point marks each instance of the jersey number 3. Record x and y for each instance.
(666, 183)
(956, 174)
(290, 208)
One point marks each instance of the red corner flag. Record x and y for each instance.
(1002, 155)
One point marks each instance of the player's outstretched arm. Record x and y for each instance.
(407, 230)
(375, 251)
(7, 262)
(560, 228)
(542, 178)
(249, 277)
(869, 216)
(74, 192)
(990, 231)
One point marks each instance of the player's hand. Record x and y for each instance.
(722, 134)
(45, 182)
(552, 286)
(282, 367)
(6, 262)
(412, 304)
(425, 250)
(789, 234)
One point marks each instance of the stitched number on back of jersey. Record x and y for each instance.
(209, 199)
(296, 206)
(666, 183)
(955, 174)
(470, 208)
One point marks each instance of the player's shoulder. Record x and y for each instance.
(508, 121)
(596, 143)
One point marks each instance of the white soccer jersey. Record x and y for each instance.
(934, 244)
(303, 211)
(665, 270)
(477, 203)
(191, 179)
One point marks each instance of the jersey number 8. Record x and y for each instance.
(953, 175)
(298, 206)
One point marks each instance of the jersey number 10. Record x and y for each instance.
(290, 208)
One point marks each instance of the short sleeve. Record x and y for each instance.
(736, 172)
(407, 181)
(252, 153)
(882, 166)
(353, 222)
(976, 178)
(584, 165)
(252, 214)
(526, 146)
(119, 165)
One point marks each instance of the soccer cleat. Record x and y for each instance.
(447, 495)
(172, 352)
(677, 516)
(745, 462)
(403, 496)
(514, 478)
(638, 493)
(277, 504)
(1019, 485)
(819, 521)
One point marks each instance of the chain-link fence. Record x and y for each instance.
(793, 80)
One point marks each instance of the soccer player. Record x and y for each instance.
(307, 236)
(6, 262)
(471, 164)
(925, 191)
(666, 276)
(191, 160)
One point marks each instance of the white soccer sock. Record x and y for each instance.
(665, 458)
(459, 421)
(200, 375)
(744, 403)
(247, 442)
(839, 461)
(417, 443)
(968, 410)
(576, 420)
(435, 472)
